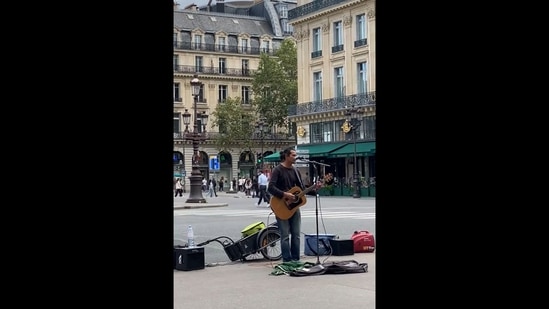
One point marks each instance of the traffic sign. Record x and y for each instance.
(214, 163)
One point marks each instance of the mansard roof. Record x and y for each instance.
(252, 25)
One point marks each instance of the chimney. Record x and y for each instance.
(175, 6)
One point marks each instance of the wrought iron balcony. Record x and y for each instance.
(230, 49)
(333, 104)
(361, 42)
(212, 70)
(311, 7)
(316, 54)
(337, 48)
(267, 137)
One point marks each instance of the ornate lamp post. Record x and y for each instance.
(195, 136)
(352, 124)
(259, 126)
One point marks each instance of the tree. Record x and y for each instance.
(235, 125)
(275, 84)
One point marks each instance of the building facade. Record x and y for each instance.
(336, 71)
(221, 44)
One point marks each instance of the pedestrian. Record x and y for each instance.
(221, 182)
(262, 183)
(254, 187)
(283, 178)
(204, 185)
(214, 184)
(248, 187)
(178, 187)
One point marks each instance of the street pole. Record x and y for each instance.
(356, 193)
(195, 195)
(351, 125)
(260, 125)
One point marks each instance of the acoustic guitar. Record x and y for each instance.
(285, 208)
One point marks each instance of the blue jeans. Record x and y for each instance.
(290, 247)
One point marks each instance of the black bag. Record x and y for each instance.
(337, 267)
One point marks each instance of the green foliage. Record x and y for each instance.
(235, 125)
(275, 85)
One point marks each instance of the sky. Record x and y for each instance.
(184, 3)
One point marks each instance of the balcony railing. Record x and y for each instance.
(361, 42)
(337, 48)
(333, 104)
(231, 49)
(311, 7)
(212, 70)
(266, 136)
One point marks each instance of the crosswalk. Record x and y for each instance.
(262, 212)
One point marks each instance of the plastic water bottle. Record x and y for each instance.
(190, 237)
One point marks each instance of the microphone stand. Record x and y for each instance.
(316, 206)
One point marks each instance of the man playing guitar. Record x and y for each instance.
(284, 177)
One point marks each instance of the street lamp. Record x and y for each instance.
(352, 124)
(195, 136)
(259, 126)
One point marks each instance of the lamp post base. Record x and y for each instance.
(195, 195)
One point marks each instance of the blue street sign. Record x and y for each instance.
(214, 163)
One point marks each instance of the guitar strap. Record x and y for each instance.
(299, 178)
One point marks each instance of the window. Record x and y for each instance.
(328, 132)
(221, 44)
(284, 25)
(176, 63)
(222, 65)
(360, 27)
(245, 67)
(197, 42)
(176, 92)
(338, 33)
(322, 132)
(317, 43)
(265, 46)
(222, 93)
(283, 11)
(198, 64)
(246, 92)
(338, 37)
(176, 122)
(369, 127)
(244, 45)
(175, 39)
(361, 30)
(339, 83)
(362, 71)
(339, 134)
(201, 98)
(201, 128)
(316, 133)
(317, 86)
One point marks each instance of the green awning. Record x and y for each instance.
(319, 150)
(275, 157)
(362, 149)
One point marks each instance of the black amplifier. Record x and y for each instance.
(342, 246)
(189, 258)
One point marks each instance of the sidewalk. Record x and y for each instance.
(250, 284)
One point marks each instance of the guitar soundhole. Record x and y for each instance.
(295, 204)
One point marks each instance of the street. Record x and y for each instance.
(339, 216)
